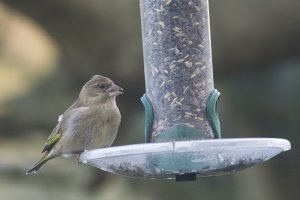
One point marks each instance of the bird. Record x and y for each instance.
(91, 122)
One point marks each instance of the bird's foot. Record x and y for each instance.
(77, 157)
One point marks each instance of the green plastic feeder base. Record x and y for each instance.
(180, 132)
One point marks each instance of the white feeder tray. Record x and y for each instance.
(184, 160)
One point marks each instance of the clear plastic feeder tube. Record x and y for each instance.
(178, 65)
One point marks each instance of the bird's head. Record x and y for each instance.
(100, 89)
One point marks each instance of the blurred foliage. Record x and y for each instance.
(49, 48)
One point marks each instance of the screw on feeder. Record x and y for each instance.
(182, 130)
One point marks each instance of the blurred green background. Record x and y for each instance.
(49, 48)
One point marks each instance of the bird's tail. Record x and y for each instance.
(37, 166)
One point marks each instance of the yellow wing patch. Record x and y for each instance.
(51, 142)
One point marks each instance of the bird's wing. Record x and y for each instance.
(61, 127)
(53, 138)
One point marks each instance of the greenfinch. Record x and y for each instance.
(91, 122)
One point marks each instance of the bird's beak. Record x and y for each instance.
(115, 90)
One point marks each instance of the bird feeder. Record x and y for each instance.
(182, 128)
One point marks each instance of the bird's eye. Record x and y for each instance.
(101, 86)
